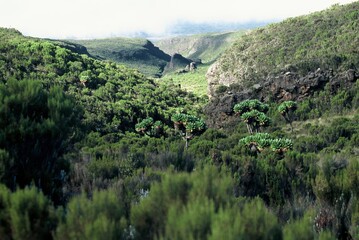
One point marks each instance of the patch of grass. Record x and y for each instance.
(194, 82)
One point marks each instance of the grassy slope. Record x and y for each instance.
(194, 82)
(326, 39)
(132, 52)
(207, 47)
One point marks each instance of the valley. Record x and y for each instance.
(249, 134)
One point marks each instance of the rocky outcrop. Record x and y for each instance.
(177, 62)
(286, 86)
(156, 51)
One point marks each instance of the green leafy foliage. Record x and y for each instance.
(97, 218)
(264, 140)
(114, 97)
(287, 106)
(198, 206)
(258, 140)
(281, 145)
(107, 181)
(37, 127)
(31, 215)
(286, 109)
(188, 125)
(149, 127)
(249, 105)
(252, 112)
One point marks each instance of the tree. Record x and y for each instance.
(101, 217)
(149, 127)
(286, 109)
(37, 127)
(252, 112)
(188, 125)
(32, 215)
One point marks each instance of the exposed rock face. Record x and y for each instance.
(286, 86)
(156, 51)
(177, 62)
(215, 79)
(192, 66)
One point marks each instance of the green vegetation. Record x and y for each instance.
(194, 81)
(138, 53)
(91, 149)
(187, 126)
(252, 112)
(326, 39)
(207, 47)
(286, 109)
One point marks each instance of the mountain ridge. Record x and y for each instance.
(206, 47)
(136, 53)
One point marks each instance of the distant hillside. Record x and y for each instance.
(207, 47)
(132, 52)
(135, 53)
(328, 40)
(183, 28)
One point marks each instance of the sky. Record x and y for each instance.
(85, 19)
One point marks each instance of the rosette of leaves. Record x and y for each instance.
(148, 127)
(188, 125)
(197, 125)
(258, 141)
(286, 109)
(255, 119)
(145, 125)
(158, 124)
(249, 105)
(157, 127)
(178, 118)
(287, 106)
(263, 120)
(281, 145)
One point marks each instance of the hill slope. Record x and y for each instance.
(207, 47)
(113, 96)
(135, 53)
(326, 39)
(132, 52)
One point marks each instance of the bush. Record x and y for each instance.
(32, 215)
(101, 217)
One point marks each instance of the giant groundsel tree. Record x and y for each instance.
(188, 125)
(252, 112)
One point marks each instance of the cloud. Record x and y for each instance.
(103, 18)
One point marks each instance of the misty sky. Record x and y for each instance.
(106, 18)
